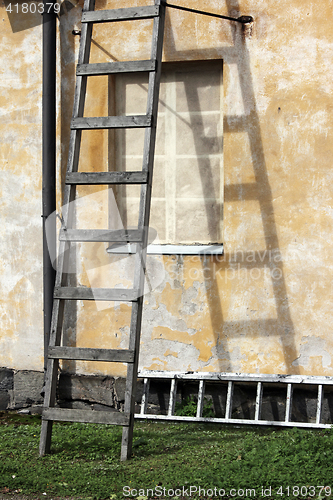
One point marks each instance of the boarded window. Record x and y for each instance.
(187, 203)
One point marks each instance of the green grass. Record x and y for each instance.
(85, 460)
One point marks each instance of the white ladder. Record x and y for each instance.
(228, 381)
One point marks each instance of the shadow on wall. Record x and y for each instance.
(235, 267)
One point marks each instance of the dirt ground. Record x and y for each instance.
(39, 496)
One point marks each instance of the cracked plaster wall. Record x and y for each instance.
(266, 305)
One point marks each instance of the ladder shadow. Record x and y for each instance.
(260, 191)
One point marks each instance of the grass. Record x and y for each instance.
(85, 461)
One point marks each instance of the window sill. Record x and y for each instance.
(169, 249)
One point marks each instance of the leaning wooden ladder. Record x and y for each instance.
(63, 292)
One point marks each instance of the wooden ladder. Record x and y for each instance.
(62, 291)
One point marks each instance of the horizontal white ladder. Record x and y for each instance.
(228, 381)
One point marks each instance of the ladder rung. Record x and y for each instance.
(228, 406)
(201, 393)
(87, 354)
(172, 397)
(102, 235)
(129, 14)
(289, 400)
(115, 67)
(107, 178)
(89, 416)
(145, 395)
(319, 403)
(257, 414)
(100, 122)
(80, 293)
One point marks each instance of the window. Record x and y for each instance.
(187, 201)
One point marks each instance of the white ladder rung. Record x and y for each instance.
(201, 394)
(319, 403)
(228, 406)
(289, 400)
(145, 394)
(172, 398)
(257, 414)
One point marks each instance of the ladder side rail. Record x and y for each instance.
(241, 377)
(233, 421)
(143, 223)
(63, 258)
(201, 394)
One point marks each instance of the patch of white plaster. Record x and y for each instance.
(314, 346)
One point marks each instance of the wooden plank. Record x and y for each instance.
(145, 395)
(80, 293)
(289, 400)
(114, 15)
(172, 397)
(319, 403)
(106, 178)
(115, 67)
(102, 235)
(228, 406)
(86, 416)
(87, 354)
(201, 394)
(101, 122)
(258, 401)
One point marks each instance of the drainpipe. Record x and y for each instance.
(48, 162)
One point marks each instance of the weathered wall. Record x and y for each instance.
(266, 305)
(21, 337)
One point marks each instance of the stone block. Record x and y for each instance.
(27, 388)
(95, 389)
(6, 379)
(4, 400)
(119, 388)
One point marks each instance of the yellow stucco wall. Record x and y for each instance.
(265, 306)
